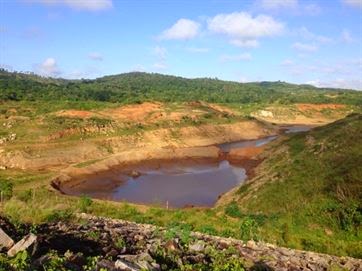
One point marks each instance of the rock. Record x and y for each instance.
(12, 137)
(265, 113)
(113, 252)
(171, 245)
(197, 247)
(126, 266)
(76, 259)
(41, 261)
(223, 245)
(135, 174)
(5, 240)
(23, 244)
(106, 264)
(251, 244)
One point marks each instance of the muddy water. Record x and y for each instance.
(226, 147)
(174, 184)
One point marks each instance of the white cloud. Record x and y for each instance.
(183, 29)
(287, 62)
(243, 79)
(138, 68)
(245, 43)
(277, 4)
(6, 67)
(48, 68)
(347, 68)
(346, 36)
(86, 72)
(198, 50)
(295, 6)
(353, 3)
(337, 83)
(89, 5)
(160, 65)
(312, 9)
(304, 47)
(95, 56)
(242, 26)
(160, 52)
(306, 34)
(240, 57)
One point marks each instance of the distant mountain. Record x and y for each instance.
(137, 87)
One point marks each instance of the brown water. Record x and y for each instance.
(176, 183)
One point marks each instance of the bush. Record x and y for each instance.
(59, 215)
(249, 229)
(232, 209)
(6, 189)
(84, 203)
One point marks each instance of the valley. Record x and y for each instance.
(225, 169)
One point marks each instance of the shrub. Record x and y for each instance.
(84, 203)
(249, 229)
(6, 189)
(208, 229)
(59, 215)
(232, 209)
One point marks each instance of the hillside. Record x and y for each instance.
(138, 87)
(308, 190)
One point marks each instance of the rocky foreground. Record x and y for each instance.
(95, 243)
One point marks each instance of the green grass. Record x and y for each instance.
(316, 191)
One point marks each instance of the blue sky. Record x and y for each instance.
(316, 42)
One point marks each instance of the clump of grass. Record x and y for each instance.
(6, 189)
(85, 203)
(233, 210)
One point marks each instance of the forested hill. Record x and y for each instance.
(137, 87)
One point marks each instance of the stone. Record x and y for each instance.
(251, 244)
(171, 245)
(125, 266)
(5, 240)
(22, 245)
(135, 174)
(197, 247)
(106, 264)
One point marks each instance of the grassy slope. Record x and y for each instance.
(310, 190)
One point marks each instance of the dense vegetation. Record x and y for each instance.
(138, 87)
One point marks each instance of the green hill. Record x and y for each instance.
(309, 190)
(138, 87)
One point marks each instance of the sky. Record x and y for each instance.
(317, 42)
